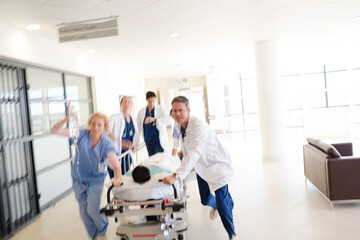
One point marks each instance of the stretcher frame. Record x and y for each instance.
(169, 214)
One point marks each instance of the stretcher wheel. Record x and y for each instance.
(180, 236)
(124, 237)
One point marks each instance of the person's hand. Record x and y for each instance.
(135, 147)
(173, 152)
(149, 120)
(180, 154)
(126, 144)
(169, 179)
(116, 182)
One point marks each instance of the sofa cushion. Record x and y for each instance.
(323, 146)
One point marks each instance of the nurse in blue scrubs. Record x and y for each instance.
(89, 170)
(127, 139)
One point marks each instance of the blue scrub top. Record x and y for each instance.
(90, 163)
(151, 133)
(128, 133)
(175, 134)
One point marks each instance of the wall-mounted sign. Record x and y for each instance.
(88, 30)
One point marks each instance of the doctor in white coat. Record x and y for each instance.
(124, 132)
(152, 121)
(210, 160)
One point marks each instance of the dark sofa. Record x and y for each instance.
(332, 169)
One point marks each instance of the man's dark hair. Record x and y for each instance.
(141, 174)
(181, 99)
(150, 94)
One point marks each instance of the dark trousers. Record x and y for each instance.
(154, 147)
(222, 202)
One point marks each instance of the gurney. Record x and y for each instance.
(161, 207)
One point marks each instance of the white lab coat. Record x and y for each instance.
(204, 152)
(162, 120)
(117, 127)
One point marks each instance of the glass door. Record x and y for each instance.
(18, 195)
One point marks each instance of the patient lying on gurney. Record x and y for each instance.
(145, 185)
(141, 174)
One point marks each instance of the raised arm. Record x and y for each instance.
(58, 130)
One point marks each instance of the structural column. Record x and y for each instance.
(270, 100)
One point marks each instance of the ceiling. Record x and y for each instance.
(210, 31)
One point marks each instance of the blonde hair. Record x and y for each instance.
(103, 117)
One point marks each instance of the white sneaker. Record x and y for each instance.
(234, 238)
(213, 214)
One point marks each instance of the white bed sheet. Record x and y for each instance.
(153, 189)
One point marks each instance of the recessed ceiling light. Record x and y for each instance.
(90, 51)
(33, 26)
(173, 35)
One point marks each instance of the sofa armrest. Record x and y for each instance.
(345, 149)
(315, 167)
(344, 178)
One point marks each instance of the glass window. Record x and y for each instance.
(235, 123)
(251, 104)
(38, 118)
(314, 90)
(44, 115)
(292, 90)
(233, 105)
(44, 83)
(249, 88)
(77, 87)
(354, 90)
(233, 88)
(55, 93)
(240, 99)
(293, 118)
(249, 92)
(252, 122)
(35, 94)
(338, 86)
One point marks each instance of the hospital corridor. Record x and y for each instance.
(179, 119)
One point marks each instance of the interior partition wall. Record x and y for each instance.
(18, 195)
(35, 166)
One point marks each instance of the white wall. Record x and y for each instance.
(110, 79)
(163, 85)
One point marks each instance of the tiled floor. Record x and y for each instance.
(271, 202)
